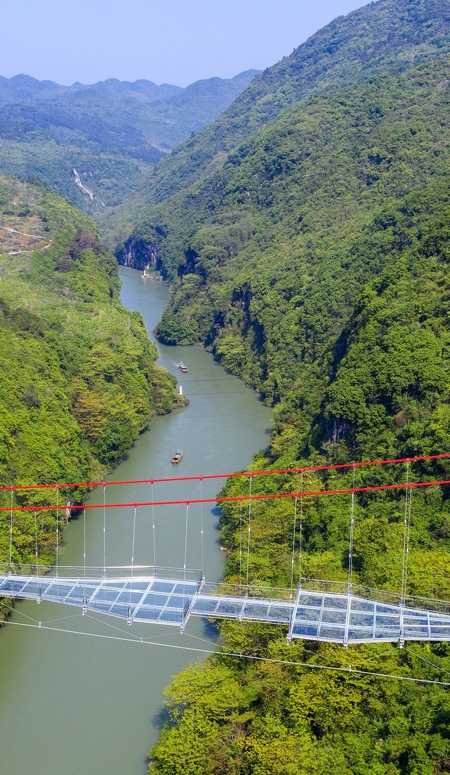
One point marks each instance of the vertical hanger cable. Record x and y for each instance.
(11, 527)
(104, 529)
(57, 531)
(293, 546)
(201, 526)
(153, 532)
(249, 529)
(300, 531)
(350, 547)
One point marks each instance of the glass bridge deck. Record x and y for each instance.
(310, 615)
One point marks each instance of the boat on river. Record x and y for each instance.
(177, 456)
(182, 366)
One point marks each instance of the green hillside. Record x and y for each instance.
(376, 39)
(300, 222)
(313, 261)
(111, 133)
(78, 374)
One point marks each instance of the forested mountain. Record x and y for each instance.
(312, 258)
(110, 133)
(78, 378)
(278, 246)
(376, 39)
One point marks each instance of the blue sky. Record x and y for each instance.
(172, 41)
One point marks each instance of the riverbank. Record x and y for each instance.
(100, 684)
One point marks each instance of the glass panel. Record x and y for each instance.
(387, 634)
(137, 585)
(304, 630)
(388, 621)
(335, 602)
(170, 616)
(186, 588)
(357, 634)
(440, 632)
(229, 608)
(35, 587)
(362, 605)
(163, 586)
(332, 633)
(96, 605)
(155, 599)
(412, 620)
(415, 632)
(335, 617)
(127, 596)
(13, 586)
(73, 598)
(387, 609)
(59, 592)
(311, 600)
(176, 601)
(106, 594)
(115, 586)
(279, 614)
(310, 614)
(255, 611)
(147, 614)
(361, 619)
(206, 606)
(440, 621)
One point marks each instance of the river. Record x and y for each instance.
(84, 694)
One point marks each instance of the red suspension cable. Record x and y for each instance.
(153, 480)
(271, 496)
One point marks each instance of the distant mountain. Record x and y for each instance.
(24, 88)
(111, 133)
(143, 90)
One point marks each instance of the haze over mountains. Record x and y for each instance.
(111, 132)
(25, 88)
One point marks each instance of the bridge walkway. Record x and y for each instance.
(309, 614)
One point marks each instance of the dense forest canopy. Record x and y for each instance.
(79, 380)
(305, 234)
(377, 39)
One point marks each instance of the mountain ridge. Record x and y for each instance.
(112, 132)
(312, 67)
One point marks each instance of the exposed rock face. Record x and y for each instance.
(337, 429)
(139, 254)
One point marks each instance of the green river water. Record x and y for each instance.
(83, 695)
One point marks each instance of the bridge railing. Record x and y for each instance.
(387, 597)
(224, 588)
(97, 572)
(261, 591)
